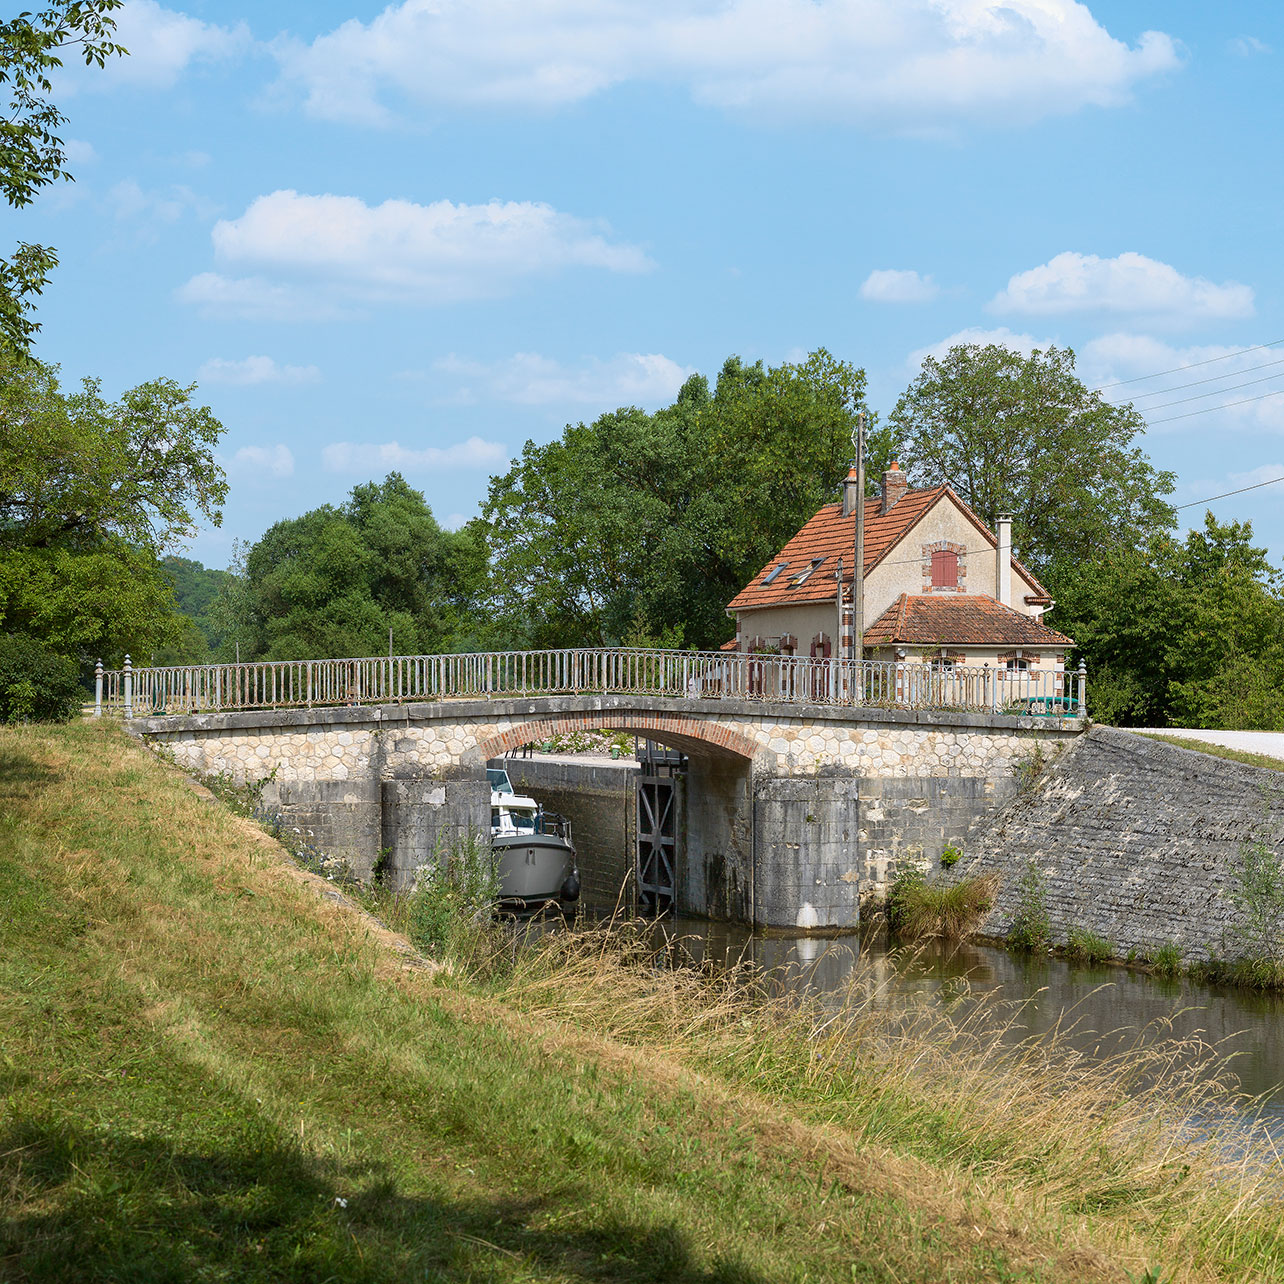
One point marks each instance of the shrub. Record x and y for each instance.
(1031, 931)
(1083, 946)
(950, 857)
(452, 905)
(918, 910)
(36, 684)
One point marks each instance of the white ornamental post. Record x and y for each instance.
(129, 688)
(1083, 688)
(98, 689)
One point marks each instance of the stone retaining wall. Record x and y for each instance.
(1138, 841)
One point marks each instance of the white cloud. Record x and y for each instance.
(79, 152)
(254, 370)
(1202, 388)
(899, 65)
(348, 252)
(1022, 343)
(1247, 46)
(1129, 283)
(127, 200)
(628, 378)
(162, 44)
(889, 285)
(372, 457)
(261, 462)
(252, 298)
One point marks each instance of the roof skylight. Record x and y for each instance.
(774, 574)
(804, 574)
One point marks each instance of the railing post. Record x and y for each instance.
(990, 685)
(1083, 688)
(129, 688)
(98, 689)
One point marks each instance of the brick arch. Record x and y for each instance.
(691, 735)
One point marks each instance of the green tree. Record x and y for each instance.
(335, 580)
(1022, 435)
(639, 528)
(31, 152)
(1181, 631)
(92, 494)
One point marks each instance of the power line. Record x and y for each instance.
(1217, 392)
(1209, 409)
(1195, 383)
(1118, 383)
(1199, 503)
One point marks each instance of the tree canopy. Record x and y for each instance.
(92, 494)
(1022, 435)
(639, 528)
(1181, 632)
(31, 152)
(334, 581)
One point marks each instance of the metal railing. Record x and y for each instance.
(303, 684)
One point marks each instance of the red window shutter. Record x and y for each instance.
(945, 568)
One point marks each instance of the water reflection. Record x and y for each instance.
(1099, 1010)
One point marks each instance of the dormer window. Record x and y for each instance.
(774, 574)
(805, 574)
(945, 568)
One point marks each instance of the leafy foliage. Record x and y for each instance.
(31, 152)
(918, 910)
(36, 684)
(1031, 930)
(92, 493)
(334, 581)
(639, 528)
(1187, 632)
(1022, 435)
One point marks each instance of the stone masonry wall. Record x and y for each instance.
(752, 854)
(1138, 841)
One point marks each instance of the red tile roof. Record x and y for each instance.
(831, 535)
(964, 619)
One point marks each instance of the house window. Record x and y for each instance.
(774, 574)
(942, 663)
(1018, 665)
(803, 575)
(945, 568)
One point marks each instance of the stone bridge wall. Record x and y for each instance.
(790, 808)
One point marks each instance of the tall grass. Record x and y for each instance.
(213, 1074)
(919, 911)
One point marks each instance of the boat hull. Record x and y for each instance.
(533, 869)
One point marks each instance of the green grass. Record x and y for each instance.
(1218, 751)
(919, 911)
(212, 1073)
(1087, 948)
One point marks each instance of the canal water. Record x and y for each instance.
(1098, 1010)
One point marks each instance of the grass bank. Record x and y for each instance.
(211, 1072)
(1218, 751)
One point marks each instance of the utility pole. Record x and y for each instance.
(858, 570)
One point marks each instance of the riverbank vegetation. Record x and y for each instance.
(214, 1072)
(1219, 751)
(919, 910)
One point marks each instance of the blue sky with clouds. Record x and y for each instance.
(415, 236)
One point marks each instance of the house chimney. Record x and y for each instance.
(1003, 561)
(895, 485)
(849, 494)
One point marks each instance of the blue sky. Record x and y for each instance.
(415, 236)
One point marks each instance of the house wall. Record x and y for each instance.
(902, 571)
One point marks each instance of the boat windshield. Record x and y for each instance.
(499, 780)
(507, 820)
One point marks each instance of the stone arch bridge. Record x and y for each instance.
(790, 807)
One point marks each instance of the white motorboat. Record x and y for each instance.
(534, 858)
